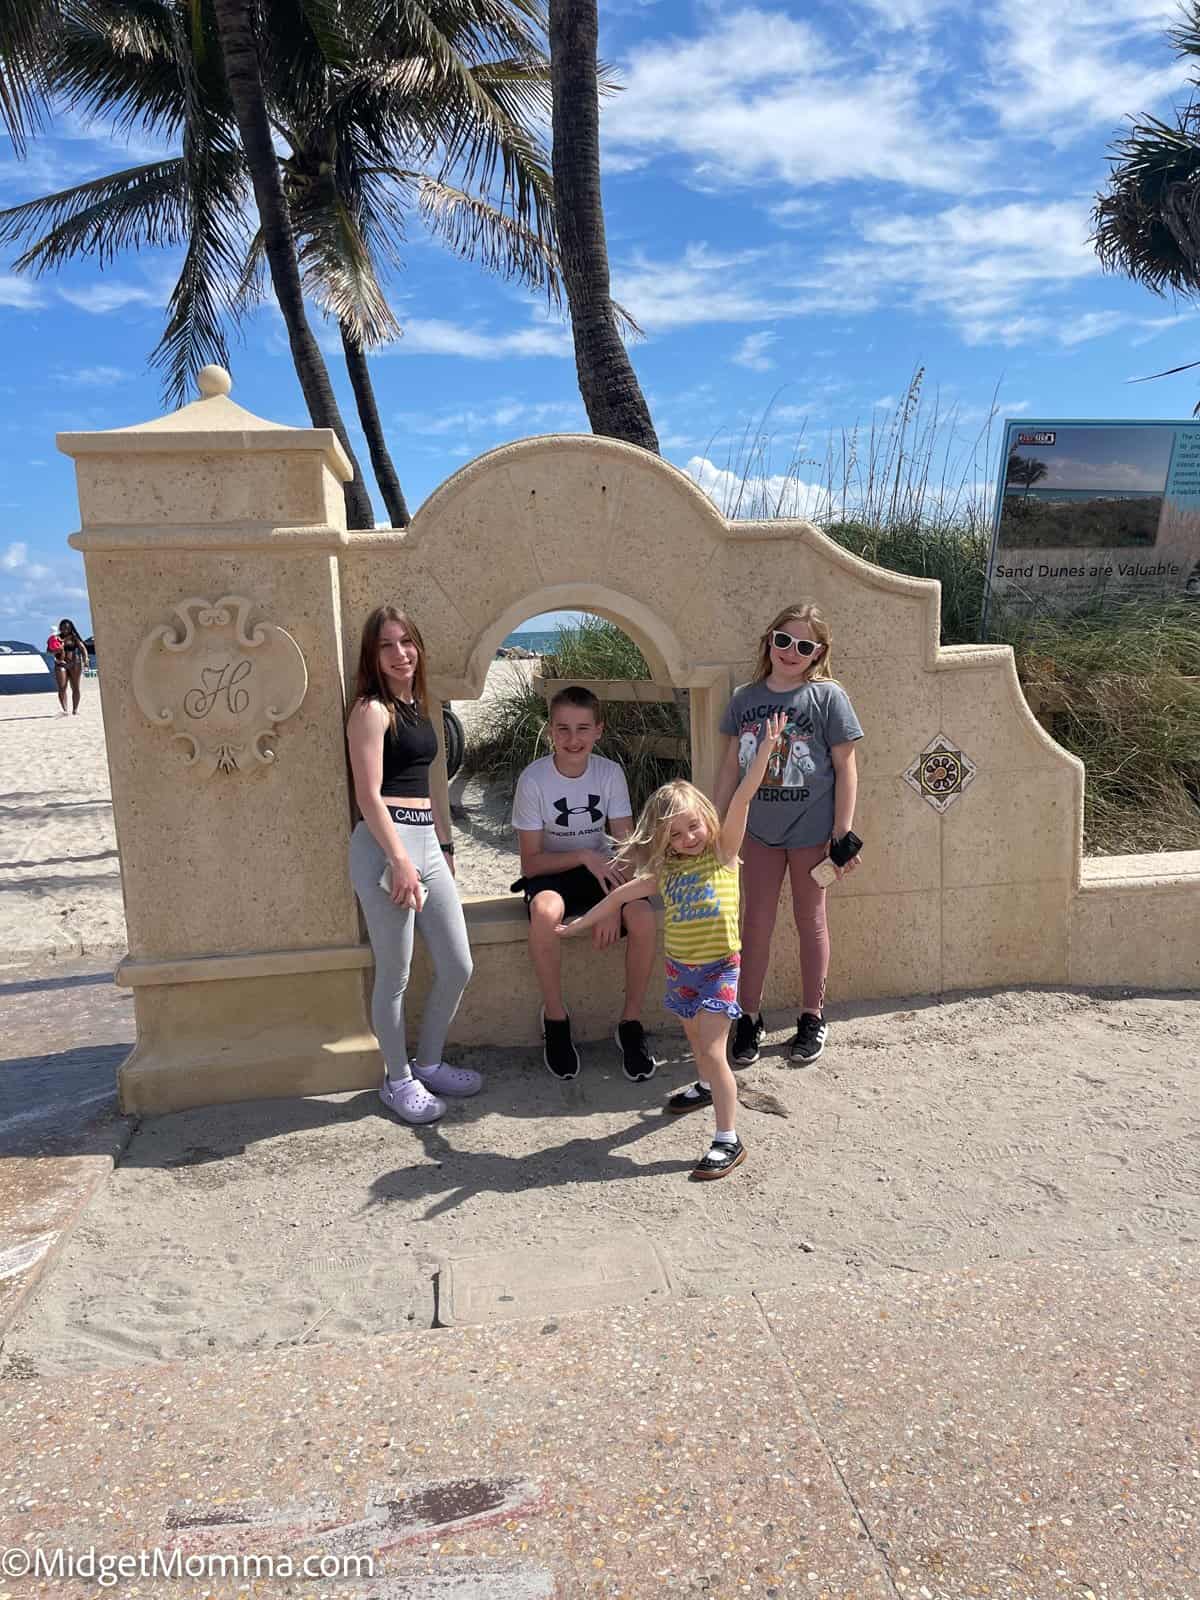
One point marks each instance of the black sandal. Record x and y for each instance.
(719, 1162)
(689, 1100)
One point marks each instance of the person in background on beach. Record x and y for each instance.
(568, 808)
(70, 658)
(402, 865)
(682, 849)
(805, 802)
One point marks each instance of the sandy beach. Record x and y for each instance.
(60, 880)
(933, 1136)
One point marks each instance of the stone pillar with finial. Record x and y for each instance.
(210, 539)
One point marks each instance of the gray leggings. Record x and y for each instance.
(390, 928)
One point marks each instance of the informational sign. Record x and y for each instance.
(1092, 511)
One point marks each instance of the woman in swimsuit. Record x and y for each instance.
(70, 659)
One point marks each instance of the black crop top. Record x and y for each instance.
(408, 754)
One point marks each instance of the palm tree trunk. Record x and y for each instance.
(368, 415)
(239, 51)
(614, 400)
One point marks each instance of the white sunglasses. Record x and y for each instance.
(802, 647)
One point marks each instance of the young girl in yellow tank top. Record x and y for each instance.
(681, 849)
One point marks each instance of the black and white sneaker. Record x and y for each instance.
(558, 1050)
(747, 1037)
(810, 1038)
(636, 1061)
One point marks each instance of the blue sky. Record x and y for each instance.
(804, 204)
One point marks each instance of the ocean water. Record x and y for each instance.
(539, 643)
(1014, 491)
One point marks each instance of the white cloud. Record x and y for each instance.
(750, 494)
(433, 336)
(101, 298)
(901, 16)
(513, 416)
(93, 377)
(16, 559)
(704, 285)
(1056, 71)
(762, 97)
(18, 293)
(1089, 325)
(985, 266)
(752, 352)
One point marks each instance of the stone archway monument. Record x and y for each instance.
(228, 598)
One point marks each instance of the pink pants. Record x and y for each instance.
(763, 867)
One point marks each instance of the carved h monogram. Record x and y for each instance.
(219, 681)
(219, 686)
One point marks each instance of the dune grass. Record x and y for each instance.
(593, 648)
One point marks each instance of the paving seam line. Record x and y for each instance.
(49, 1257)
(806, 1413)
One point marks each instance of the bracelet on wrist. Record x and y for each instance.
(447, 849)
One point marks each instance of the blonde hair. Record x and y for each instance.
(648, 847)
(804, 611)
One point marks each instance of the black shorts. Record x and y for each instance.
(580, 889)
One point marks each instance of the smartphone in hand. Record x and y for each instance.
(840, 851)
(385, 883)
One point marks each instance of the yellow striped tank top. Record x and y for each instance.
(701, 900)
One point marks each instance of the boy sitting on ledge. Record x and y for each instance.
(569, 807)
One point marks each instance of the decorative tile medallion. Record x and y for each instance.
(217, 685)
(940, 773)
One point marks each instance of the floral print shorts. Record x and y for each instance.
(713, 987)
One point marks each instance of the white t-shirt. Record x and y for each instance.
(571, 812)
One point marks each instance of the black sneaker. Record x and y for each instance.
(559, 1052)
(747, 1037)
(636, 1061)
(719, 1162)
(810, 1038)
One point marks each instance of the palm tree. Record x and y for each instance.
(452, 84)
(29, 31)
(236, 28)
(346, 196)
(1147, 221)
(1027, 470)
(609, 386)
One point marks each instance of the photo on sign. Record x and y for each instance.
(1091, 488)
(1095, 513)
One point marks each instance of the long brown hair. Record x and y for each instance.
(370, 684)
(804, 611)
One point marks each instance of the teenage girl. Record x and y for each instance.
(805, 803)
(402, 865)
(681, 849)
(70, 658)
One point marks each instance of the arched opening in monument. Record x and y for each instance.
(645, 717)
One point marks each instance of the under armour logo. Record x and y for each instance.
(564, 812)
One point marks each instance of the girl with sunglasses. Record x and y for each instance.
(804, 803)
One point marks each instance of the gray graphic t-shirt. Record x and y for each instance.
(794, 806)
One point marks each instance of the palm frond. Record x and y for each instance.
(339, 273)
(251, 288)
(25, 27)
(144, 205)
(1147, 222)
(119, 63)
(478, 231)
